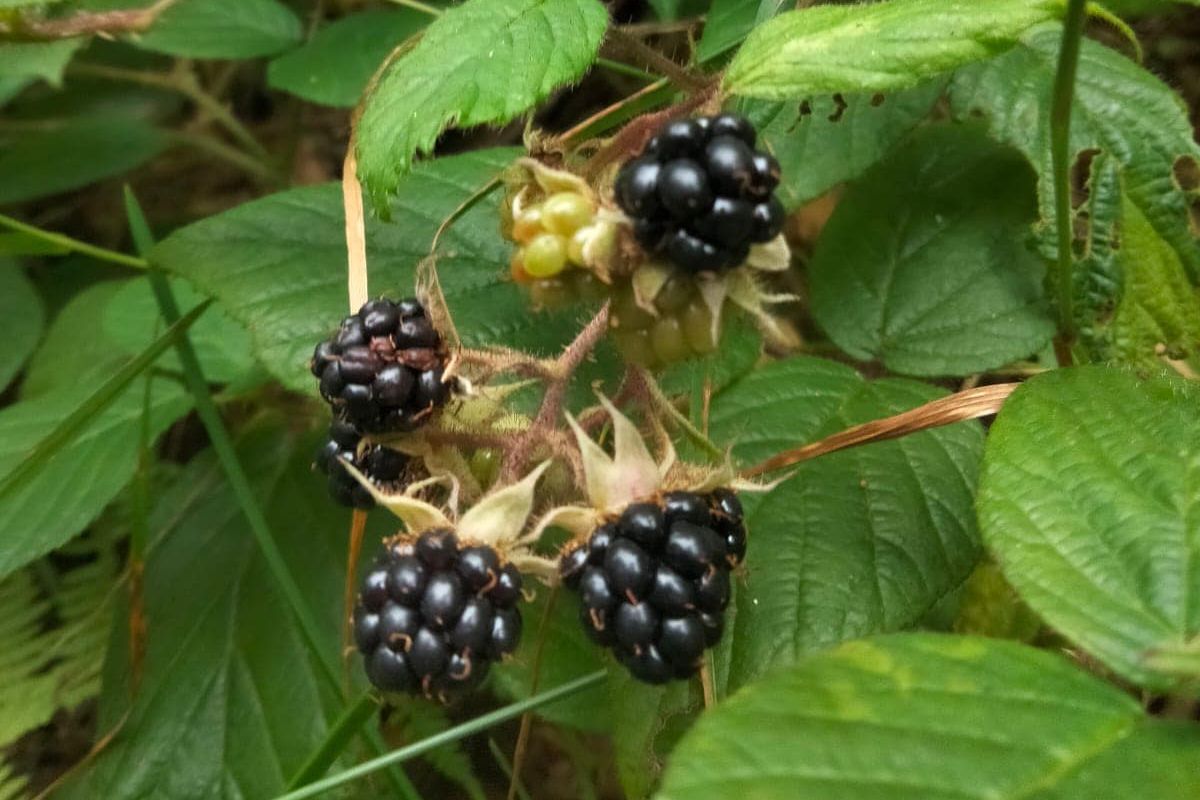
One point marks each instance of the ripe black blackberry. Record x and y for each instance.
(701, 195)
(383, 369)
(432, 615)
(654, 581)
(381, 465)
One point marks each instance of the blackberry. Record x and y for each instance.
(381, 465)
(701, 195)
(654, 580)
(432, 615)
(383, 369)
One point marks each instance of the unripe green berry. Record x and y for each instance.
(545, 256)
(566, 212)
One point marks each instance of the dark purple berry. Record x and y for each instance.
(393, 385)
(437, 548)
(331, 384)
(692, 549)
(379, 317)
(366, 629)
(595, 590)
(735, 544)
(478, 566)
(681, 137)
(597, 545)
(570, 566)
(430, 390)
(712, 590)
(507, 590)
(428, 653)
(406, 580)
(683, 189)
(390, 670)
(506, 632)
(397, 626)
(410, 307)
(344, 434)
(730, 165)
(671, 593)
(769, 217)
(416, 332)
(352, 333)
(643, 524)
(733, 125)
(637, 187)
(323, 354)
(629, 568)
(686, 506)
(374, 589)
(635, 625)
(714, 626)
(443, 600)
(647, 665)
(695, 254)
(681, 640)
(473, 630)
(729, 223)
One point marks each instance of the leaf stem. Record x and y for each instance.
(447, 736)
(1060, 142)
(74, 245)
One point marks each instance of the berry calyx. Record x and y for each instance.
(700, 194)
(432, 615)
(383, 369)
(654, 580)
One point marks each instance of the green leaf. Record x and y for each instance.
(856, 542)
(568, 654)
(334, 66)
(1135, 134)
(483, 62)
(21, 320)
(729, 21)
(417, 719)
(41, 162)
(75, 348)
(131, 320)
(921, 270)
(278, 265)
(929, 717)
(647, 723)
(890, 45)
(826, 140)
(217, 28)
(1088, 499)
(44, 60)
(230, 704)
(83, 476)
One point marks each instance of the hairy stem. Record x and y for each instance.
(1060, 141)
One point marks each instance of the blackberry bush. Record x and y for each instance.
(700, 195)
(654, 580)
(383, 371)
(433, 615)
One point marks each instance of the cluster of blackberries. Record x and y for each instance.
(381, 373)
(432, 616)
(383, 465)
(382, 370)
(654, 582)
(700, 194)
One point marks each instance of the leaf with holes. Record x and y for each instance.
(1088, 498)
(278, 265)
(917, 717)
(1131, 138)
(876, 47)
(919, 269)
(856, 542)
(483, 62)
(825, 140)
(334, 66)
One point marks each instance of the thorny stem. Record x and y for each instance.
(663, 403)
(102, 23)
(638, 50)
(560, 373)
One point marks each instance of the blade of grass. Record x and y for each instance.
(97, 402)
(339, 736)
(462, 731)
(506, 768)
(73, 245)
(222, 445)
